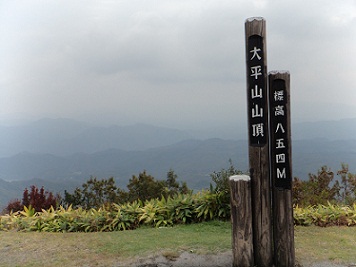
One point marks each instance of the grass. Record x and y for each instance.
(326, 244)
(202, 238)
(313, 244)
(108, 249)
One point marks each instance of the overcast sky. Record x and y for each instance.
(171, 62)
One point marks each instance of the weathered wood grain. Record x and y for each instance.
(241, 217)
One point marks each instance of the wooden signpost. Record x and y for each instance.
(257, 95)
(268, 104)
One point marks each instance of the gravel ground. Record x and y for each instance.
(186, 259)
(224, 259)
(328, 264)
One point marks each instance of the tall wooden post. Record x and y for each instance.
(241, 218)
(281, 168)
(255, 37)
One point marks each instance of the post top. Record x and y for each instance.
(273, 72)
(241, 177)
(254, 18)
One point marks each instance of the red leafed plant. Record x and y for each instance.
(36, 198)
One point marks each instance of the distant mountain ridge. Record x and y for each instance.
(333, 130)
(65, 137)
(61, 154)
(189, 157)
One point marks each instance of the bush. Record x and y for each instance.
(95, 193)
(221, 189)
(180, 209)
(13, 206)
(325, 215)
(322, 189)
(37, 198)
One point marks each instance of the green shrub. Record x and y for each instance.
(181, 209)
(325, 215)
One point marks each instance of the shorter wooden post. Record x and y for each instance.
(241, 217)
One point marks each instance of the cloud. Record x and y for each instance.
(171, 60)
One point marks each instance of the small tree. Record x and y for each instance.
(221, 189)
(93, 194)
(173, 187)
(96, 193)
(298, 191)
(319, 189)
(184, 189)
(145, 187)
(75, 199)
(37, 198)
(348, 185)
(171, 183)
(221, 180)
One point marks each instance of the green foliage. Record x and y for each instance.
(184, 208)
(145, 187)
(206, 206)
(348, 185)
(322, 189)
(99, 206)
(325, 215)
(319, 189)
(221, 191)
(303, 216)
(96, 193)
(93, 194)
(180, 209)
(221, 179)
(171, 183)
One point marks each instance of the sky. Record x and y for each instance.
(174, 63)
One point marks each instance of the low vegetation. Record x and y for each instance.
(181, 209)
(325, 215)
(99, 206)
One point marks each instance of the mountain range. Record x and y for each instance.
(61, 154)
(65, 136)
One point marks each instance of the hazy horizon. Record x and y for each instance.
(236, 130)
